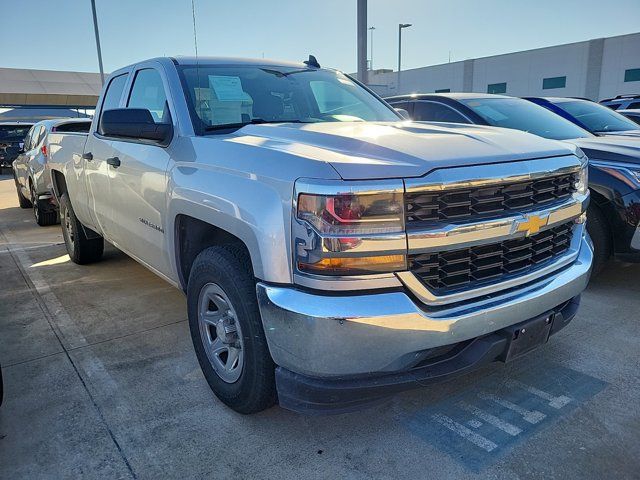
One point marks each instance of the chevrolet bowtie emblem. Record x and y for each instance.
(532, 224)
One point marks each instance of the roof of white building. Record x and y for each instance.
(48, 87)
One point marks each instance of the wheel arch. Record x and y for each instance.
(191, 236)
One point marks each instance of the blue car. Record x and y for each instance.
(591, 116)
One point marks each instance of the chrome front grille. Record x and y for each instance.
(467, 268)
(484, 201)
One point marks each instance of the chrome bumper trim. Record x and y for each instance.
(325, 335)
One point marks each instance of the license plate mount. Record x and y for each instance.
(526, 336)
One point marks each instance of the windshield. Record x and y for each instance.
(13, 133)
(523, 115)
(232, 96)
(597, 118)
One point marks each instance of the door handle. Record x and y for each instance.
(87, 156)
(114, 162)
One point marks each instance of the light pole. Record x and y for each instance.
(362, 40)
(371, 29)
(400, 27)
(95, 29)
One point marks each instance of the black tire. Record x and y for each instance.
(600, 234)
(229, 268)
(22, 200)
(81, 250)
(44, 214)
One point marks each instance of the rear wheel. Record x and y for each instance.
(44, 214)
(81, 249)
(22, 200)
(601, 236)
(227, 332)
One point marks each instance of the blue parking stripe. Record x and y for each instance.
(484, 422)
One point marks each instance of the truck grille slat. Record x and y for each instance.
(470, 203)
(444, 272)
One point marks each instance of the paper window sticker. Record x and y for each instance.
(227, 88)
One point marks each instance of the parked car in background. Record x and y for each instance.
(631, 115)
(614, 162)
(30, 172)
(622, 102)
(11, 139)
(332, 253)
(589, 115)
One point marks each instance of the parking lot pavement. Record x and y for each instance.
(101, 382)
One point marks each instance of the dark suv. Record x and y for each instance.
(622, 102)
(11, 138)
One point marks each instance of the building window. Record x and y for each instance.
(443, 90)
(632, 75)
(554, 82)
(497, 88)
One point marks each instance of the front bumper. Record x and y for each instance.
(324, 335)
(313, 395)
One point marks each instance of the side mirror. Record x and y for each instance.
(133, 123)
(403, 113)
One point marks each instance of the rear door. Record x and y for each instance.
(21, 162)
(98, 149)
(139, 184)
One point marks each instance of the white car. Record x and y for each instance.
(32, 177)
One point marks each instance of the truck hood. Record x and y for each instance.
(622, 149)
(368, 150)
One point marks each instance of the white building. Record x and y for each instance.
(595, 69)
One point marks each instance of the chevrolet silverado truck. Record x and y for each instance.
(331, 252)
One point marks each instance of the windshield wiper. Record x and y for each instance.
(253, 121)
(280, 74)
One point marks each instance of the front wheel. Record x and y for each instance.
(81, 249)
(227, 332)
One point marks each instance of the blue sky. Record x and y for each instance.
(58, 35)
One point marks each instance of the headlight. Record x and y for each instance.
(582, 180)
(347, 214)
(353, 233)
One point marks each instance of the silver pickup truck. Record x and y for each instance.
(332, 253)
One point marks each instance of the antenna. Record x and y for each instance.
(195, 35)
(198, 90)
(312, 62)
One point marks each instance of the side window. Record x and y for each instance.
(148, 93)
(113, 93)
(408, 106)
(37, 132)
(28, 139)
(633, 106)
(41, 135)
(436, 112)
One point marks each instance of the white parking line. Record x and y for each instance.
(491, 419)
(464, 432)
(555, 402)
(530, 416)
